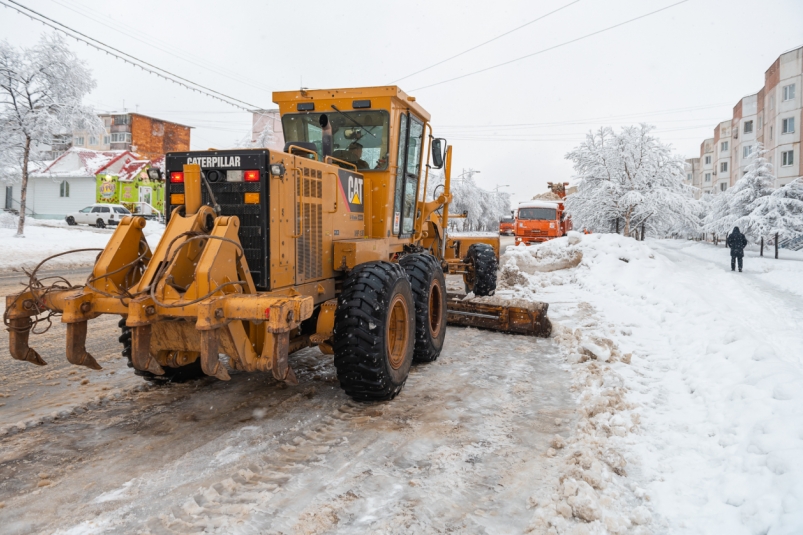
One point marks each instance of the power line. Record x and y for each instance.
(128, 58)
(218, 70)
(551, 48)
(585, 121)
(485, 43)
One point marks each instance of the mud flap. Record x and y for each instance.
(76, 346)
(141, 351)
(18, 331)
(210, 356)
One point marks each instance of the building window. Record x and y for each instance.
(723, 147)
(107, 121)
(789, 92)
(747, 150)
(723, 167)
(708, 160)
(748, 127)
(79, 141)
(120, 119)
(121, 137)
(788, 125)
(723, 186)
(770, 132)
(64, 189)
(760, 122)
(93, 140)
(788, 158)
(106, 140)
(772, 103)
(688, 177)
(708, 177)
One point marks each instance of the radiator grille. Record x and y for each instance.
(229, 195)
(309, 217)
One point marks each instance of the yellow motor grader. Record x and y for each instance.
(330, 243)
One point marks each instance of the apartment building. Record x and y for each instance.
(771, 117)
(693, 175)
(722, 177)
(148, 136)
(707, 165)
(744, 137)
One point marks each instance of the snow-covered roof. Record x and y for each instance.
(80, 162)
(130, 170)
(538, 204)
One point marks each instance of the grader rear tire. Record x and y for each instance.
(429, 292)
(374, 332)
(172, 375)
(482, 259)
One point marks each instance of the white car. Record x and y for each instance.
(98, 215)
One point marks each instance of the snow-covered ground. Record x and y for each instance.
(693, 374)
(44, 238)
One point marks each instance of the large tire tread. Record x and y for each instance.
(358, 340)
(421, 270)
(483, 257)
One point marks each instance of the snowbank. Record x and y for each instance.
(708, 415)
(44, 238)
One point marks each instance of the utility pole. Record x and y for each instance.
(498, 186)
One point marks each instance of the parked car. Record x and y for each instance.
(98, 215)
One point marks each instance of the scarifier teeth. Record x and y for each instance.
(34, 357)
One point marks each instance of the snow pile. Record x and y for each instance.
(716, 444)
(593, 494)
(8, 220)
(44, 238)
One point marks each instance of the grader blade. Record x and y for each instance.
(528, 318)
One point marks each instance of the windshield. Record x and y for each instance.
(358, 137)
(538, 214)
(507, 220)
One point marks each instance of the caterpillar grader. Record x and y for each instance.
(329, 243)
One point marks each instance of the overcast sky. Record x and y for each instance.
(682, 69)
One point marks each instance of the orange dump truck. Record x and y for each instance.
(539, 221)
(507, 226)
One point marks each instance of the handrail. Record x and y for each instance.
(300, 206)
(330, 159)
(302, 149)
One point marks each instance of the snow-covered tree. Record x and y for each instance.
(41, 89)
(777, 215)
(734, 206)
(484, 208)
(630, 176)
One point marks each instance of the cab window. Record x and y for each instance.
(538, 214)
(358, 137)
(409, 165)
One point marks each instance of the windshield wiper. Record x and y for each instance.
(352, 120)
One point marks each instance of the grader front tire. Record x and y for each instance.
(429, 292)
(483, 265)
(374, 332)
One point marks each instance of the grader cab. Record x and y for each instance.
(329, 243)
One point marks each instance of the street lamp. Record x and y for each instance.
(498, 186)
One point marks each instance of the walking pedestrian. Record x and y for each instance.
(737, 242)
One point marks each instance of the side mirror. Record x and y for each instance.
(438, 152)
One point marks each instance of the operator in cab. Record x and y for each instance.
(355, 156)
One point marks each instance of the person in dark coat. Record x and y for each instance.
(737, 242)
